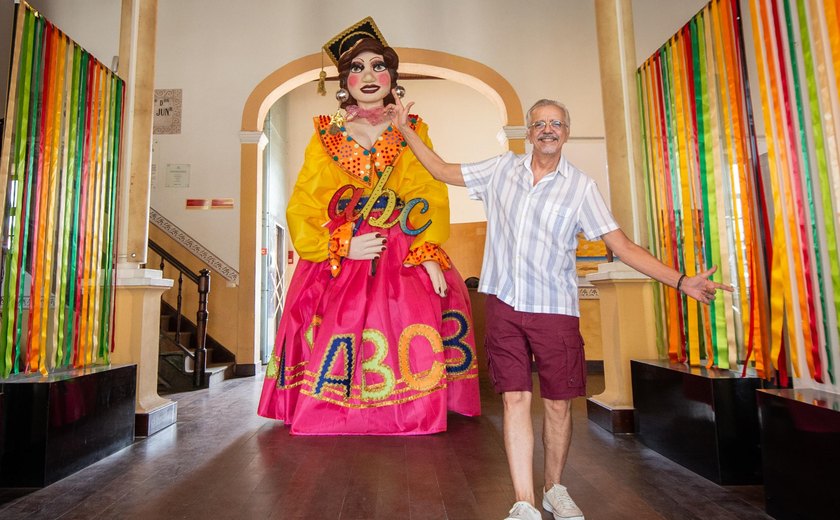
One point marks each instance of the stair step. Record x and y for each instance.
(175, 367)
(173, 379)
(186, 337)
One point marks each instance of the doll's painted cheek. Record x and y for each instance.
(383, 79)
(353, 81)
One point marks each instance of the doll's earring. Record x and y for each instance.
(342, 95)
(400, 90)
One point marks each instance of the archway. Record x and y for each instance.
(303, 70)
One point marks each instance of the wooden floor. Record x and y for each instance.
(223, 461)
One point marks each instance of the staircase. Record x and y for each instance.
(175, 367)
(188, 358)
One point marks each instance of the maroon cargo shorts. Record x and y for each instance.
(513, 337)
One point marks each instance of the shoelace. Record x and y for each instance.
(566, 501)
(518, 508)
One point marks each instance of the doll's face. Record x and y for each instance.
(369, 81)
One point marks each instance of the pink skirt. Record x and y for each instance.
(372, 354)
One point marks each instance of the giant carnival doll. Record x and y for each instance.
(376, 335)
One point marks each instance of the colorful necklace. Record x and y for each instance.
(374, 116)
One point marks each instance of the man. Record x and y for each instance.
(536, 204)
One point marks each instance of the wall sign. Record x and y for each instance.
(167, 111)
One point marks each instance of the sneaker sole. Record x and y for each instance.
(547, 506)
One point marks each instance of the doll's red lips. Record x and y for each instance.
(369, 89)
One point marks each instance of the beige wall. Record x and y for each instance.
(466, 247)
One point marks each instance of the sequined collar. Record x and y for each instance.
(353, 158)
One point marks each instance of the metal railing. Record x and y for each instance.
(202, 281)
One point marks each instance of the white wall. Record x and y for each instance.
(93, 24)
(655, 21)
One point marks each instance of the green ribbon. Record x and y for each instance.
(29, 174)
(816, 127)
(806, 170)
(63, 350)
(75, 238)
(108, 261)
(18, 170)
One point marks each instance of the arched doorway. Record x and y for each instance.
(304, 70)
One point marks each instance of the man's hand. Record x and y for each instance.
(701, 288)
(398, 112)
(436, 276)
(366, 247)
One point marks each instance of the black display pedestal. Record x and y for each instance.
(703, 419)
(56, 425)
(800, 446)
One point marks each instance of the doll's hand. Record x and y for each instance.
(366, 247)
(436, 276)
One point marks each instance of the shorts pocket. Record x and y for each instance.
(575, 361)
(491, 372)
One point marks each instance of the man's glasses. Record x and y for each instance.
(556, 124)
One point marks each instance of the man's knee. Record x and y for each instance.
(514, 400)
(557, 407)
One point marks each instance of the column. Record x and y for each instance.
(137, 340)
(627, 332)
(617, 58)
(252, 144)
(626, 296)
(138, 291)
(138, 30)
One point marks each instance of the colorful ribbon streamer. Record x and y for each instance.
(773, 230)
(699, 159)
(59, 177)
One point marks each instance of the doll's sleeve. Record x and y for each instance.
(306, 213)
(419, 183)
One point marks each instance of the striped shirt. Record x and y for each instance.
(529, 258)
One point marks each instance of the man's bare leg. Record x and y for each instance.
(557, 437)
(519, 443)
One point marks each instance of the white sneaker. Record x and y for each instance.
(523, 511)
(558, 502)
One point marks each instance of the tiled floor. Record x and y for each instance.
(223, 461)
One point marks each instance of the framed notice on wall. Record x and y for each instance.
(167, 111)
(177, 175)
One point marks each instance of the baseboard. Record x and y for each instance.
(245, 369)
(614, 420)
(148, 424)
(595, 366)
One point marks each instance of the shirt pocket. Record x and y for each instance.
(560, 222)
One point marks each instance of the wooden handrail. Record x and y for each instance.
(164, 254)
(202, 280)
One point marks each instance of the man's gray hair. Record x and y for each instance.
(545, 102)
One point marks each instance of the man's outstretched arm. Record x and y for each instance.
(441, 170)
(699, 286)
